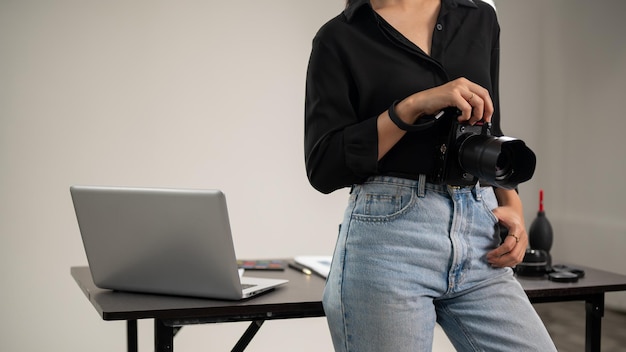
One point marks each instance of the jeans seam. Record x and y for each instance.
(470, 340)
(341, 288)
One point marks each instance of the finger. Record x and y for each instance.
(487, 104)
(465, 108)
(477, 104)
(486, 110)
(507, 254)
(472, 100)
(506, 261)
(505, 247)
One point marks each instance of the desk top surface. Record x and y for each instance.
(299, 298)
(595, 281)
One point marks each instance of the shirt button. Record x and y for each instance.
(439, 26)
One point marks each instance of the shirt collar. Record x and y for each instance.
(357, 4)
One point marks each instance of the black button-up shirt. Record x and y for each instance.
(360, 64)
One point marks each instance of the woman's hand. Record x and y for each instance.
(471, 99)
(510, 213)
(511, 251)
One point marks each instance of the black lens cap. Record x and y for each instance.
(567, 268)
(563, 276)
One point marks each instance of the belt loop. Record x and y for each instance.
(476, 191)
(421, 186)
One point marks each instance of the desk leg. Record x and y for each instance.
(163, 337)
(248, 335)
(131, 335)
(594, 307)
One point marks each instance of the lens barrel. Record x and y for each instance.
(500, 161)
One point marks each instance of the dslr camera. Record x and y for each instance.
(466, 154)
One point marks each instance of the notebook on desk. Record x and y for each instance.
(164, 241)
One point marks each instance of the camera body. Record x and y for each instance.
(466, 154)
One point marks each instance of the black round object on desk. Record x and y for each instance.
(535, 263)
(563, 276)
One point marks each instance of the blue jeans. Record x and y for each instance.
(410, 254)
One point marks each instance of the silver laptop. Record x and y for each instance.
(165, 241)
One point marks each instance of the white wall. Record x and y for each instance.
(563, 68)
(206, 94)
(197, 94)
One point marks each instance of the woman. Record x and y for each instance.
(412, 252)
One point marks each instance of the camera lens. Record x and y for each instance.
(500, 161)
(504, 166)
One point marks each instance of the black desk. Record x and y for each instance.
(301, 298)
(590, 289)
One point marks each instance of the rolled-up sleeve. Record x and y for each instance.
(341, 148)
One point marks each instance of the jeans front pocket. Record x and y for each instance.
(490, 202)
(376, 202)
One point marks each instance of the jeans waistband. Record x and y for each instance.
(421, 184)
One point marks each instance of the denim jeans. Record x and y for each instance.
(410, 254)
